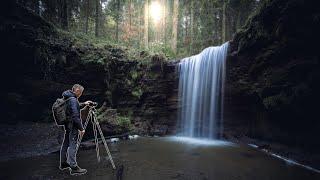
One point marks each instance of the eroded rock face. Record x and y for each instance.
(273, 75)
(40, 63)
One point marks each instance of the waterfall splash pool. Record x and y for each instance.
(199, 141)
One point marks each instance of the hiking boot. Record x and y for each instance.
(64, 166)
(77, 170)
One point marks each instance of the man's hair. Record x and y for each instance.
(77, 86)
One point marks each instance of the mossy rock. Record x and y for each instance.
(137, 92)
(124, 122)
(278, 77)
(276, 102)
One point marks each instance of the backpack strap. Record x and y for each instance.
(66, 101)
(69, 98)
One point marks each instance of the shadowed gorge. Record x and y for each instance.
(274, 75)
(208, 89)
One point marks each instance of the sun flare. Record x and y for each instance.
(156, 11)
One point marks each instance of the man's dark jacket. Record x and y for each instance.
(73, 109)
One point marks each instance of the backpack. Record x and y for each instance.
(59, 111)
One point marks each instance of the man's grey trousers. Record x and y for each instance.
(68, 151)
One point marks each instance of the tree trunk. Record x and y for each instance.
(97, 24)
(186, 24)
(164, 23)
(102, 20)
(175, 25)
(87, 17)
(118, 19)
(191, 26)
(216, 29)
(64, 15)
(146, 24)
(224, 21)
(130, 15)
(139, 25)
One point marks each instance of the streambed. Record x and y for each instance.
(164, 158)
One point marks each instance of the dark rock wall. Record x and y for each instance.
(273, 75)
(158, 101)
(38, 64)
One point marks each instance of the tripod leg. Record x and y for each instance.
(104, 140)
(94, 126)
(84, 127)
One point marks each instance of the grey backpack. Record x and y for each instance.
(59, 111)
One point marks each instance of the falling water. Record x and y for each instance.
(201, 87)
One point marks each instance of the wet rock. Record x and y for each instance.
(159, 130)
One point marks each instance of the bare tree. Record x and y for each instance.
(146, 24)
(64, 15)
(191, 27)
(165, 21)
(97, 17)
(118, 20)
(224, 21)
(87, 6)
(175, 25)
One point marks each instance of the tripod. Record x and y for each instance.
(95, 124)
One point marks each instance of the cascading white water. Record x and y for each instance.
(201, 87)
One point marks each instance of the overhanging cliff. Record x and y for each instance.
(273, 75)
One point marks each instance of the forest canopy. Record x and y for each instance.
(176, 28)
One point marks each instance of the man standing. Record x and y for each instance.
(68, 151)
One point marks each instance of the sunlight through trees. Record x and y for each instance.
(174, 27)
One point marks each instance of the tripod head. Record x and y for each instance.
(92, 106)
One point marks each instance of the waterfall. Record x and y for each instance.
(201, 88)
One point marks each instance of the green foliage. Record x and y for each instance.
(134, 75)
(93, 57)
(80, 38)
(162, 49)
(137, 92)
(124, 121)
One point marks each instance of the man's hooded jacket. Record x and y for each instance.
(73, 109)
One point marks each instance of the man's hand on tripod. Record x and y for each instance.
(81, 132)
(88, 102)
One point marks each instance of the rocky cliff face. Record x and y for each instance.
(273, 75)
(39, 62)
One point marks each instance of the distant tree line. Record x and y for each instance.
(184, 27)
